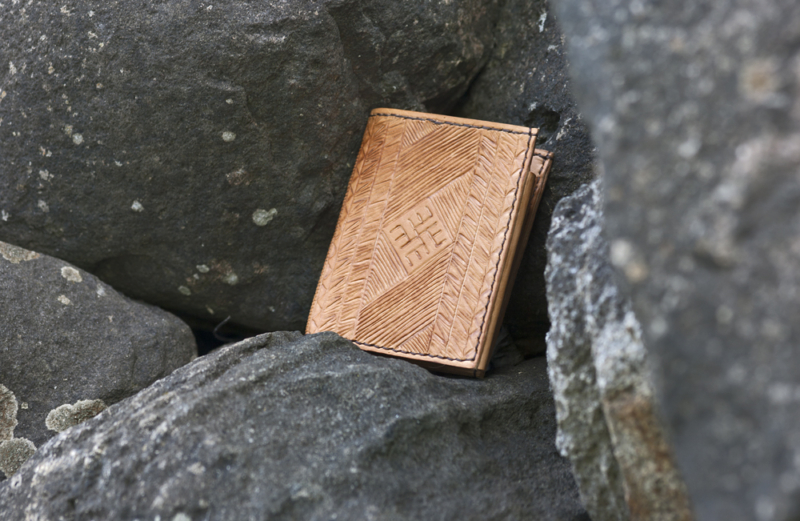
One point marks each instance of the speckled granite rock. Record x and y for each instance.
(695, 109)
(66, 336)
(195, 154)
(607, 419)
(283, 426)
(526, 83)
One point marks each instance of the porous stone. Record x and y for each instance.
(65, 416)
(695, 107)
(140, 141)
(14, 453)
(283, 426)
(67, 336)
(526, 82)
(8, 413)
(607, 420)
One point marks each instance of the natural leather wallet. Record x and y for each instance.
(429, 238)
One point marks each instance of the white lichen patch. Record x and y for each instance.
(228, 136)
(12, 68)
(43, 206)
(68, 130)
(137, 206)
(77, 139)
(101, 291)
(64, 300)
(231, 278)
(45, 175)
(14, 453)
(65, 416)
(184, 290)
(262, 217)
(541, 21)
(15, 254)
(202, 268)
(71, 274)
(197, 469)
(4, 215)
(8, 413)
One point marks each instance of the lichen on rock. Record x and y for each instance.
(8, 413)
(15, 254)
(14, 453)
(65, 416)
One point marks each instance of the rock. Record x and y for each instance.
(195, 156)
(67, 336)
(283, 426)
(525, 82)
(8, 413)
(14, 453)
(65, 416)
(607, 420)
(694, 106)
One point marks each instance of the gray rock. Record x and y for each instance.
(195, 155)
(607, 420)
(695, 110)
(283, 426)
(526, 83)
(67, 336)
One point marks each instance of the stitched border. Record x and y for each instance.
(531, 134)
(437, 122)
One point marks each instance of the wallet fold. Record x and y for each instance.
(429, 238)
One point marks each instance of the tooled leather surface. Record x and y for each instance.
(415, 255)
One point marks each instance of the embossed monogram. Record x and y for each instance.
(417, 235)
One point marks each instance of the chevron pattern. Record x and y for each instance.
(421, 235)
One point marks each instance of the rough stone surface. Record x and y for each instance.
(607, 419)
(14, 453)
(696, 111)
(67, 336)
(65, 416)
(526, 82)
(195, 155)
(283, 426)
(8, 413)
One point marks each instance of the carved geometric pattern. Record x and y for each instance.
(417, 236)
(414, 260)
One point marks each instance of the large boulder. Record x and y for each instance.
(526, 82)
(608, 425)
(695, 109)
(283, 426)
(68, 337)
(195, 155)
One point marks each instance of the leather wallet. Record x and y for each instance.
(429, 238)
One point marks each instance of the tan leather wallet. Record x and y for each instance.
(429, 238)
